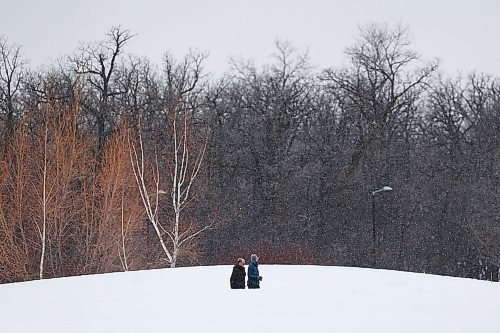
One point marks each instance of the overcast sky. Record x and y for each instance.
(464, 34)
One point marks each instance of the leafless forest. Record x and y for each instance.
(110, 162)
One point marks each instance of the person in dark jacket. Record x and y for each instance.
(253, 273)
(238, 276)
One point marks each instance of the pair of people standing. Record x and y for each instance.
(238, 276)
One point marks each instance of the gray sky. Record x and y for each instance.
(464, 34)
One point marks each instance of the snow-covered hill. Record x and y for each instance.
(292, 299)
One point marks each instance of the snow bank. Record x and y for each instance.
(291, 299)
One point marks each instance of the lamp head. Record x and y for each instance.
(383, 189)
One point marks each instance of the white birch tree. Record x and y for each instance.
(44, 200)
(186, 161)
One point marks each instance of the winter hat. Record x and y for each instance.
(253, 258)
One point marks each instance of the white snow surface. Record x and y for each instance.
(291, 299)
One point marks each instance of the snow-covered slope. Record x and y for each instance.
(291, 299)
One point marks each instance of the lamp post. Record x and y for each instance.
(374, 226)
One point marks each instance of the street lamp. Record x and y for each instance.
(374, 226)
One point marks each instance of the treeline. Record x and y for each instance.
(111, 163)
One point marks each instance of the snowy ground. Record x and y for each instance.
(292, 299)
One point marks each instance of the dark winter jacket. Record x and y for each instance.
(253, 276)
(238, 277)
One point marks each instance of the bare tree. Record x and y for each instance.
(380, 86)
(185, 162)
(12, 72)
(18, 256)
(55, 84)
(98, 63)
(138, 79)
(463, 123)
(61, 162)
(44, 201)
(119, 210)
(262, 117)
(185, 76)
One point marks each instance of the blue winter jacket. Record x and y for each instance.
(253, 276)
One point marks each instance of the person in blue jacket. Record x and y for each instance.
(254, 278)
